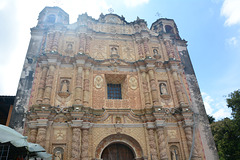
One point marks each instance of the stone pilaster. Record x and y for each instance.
(55, 41)
(145, 88)
(145, 46)
(41, 134)
(162, 146)
(78, 88)
(140, 51)
(153, 85)
(49, 82)
(184, 140)
(85, 142)
(152, 141)
(50, 37)
(177, 84)
(42, 84)
(76, 144)
(81, 42)
(86, 87)
(88, 43)
(32, 135)
(189, 137)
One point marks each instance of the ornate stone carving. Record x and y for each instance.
(98, 82)
(76, 143)
(140, 51)
(84, 154)
(152, 144)
(174, 153)
(188, 133)
(78, 89)
(49, 81)
(162, 144)
(86, 87)
(41, 136)
(58, 153)
(33, 135)
(153, 86)
(133, 83)
(42, 84)
(145, 88)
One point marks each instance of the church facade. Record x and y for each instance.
(111, 89)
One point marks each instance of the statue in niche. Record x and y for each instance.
(58, 153)
(163, 89)
(69, 48)
(155, 51)
(174, 153)
(64, 86)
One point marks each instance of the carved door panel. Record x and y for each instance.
(117, 151)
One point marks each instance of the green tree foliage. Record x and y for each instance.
(226, 132)
(211, 119)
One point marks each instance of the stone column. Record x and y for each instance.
(81, 42)
(49, 82)
(32, 135)
(170, 49)
(177, 85)
(153, 85)
(152, 140)
(189, 136)
(184, 140)
(78, 88)
(86, 87)
(145, 46)
(162, 143)
(88, 41)
(76, 134)
(41, 133)
(140, 51)
(145, 88)
(152, 144)
(85, 143)
(42, 85)
(55, 41)
(49, 41)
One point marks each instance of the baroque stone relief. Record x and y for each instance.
(98, 81)
(133, 83)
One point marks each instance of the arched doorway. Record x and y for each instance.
(117, 151)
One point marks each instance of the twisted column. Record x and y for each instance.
(189, 136)
(162, 144)
(153, 85)
(55, 41)
(78, 88)
(139, 46)
(76, 143)
(41, 136)
(32, 135)
(177, 86)
(84, 155)
(81, 42)
(49, 82)
(152, 144)
(42, 85)
(86, 87)
(145, 88)
(145, 46)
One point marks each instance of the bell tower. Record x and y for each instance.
(50, 16)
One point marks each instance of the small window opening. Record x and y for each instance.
(51, 18)
(114, 91)
(168, 29)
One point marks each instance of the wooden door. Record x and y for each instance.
(117, 151)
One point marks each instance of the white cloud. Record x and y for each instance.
(207, 103)
(134, 3)
(215, 107)
(230, 9)
(233, 41)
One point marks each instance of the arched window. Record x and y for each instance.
(51, 18)
(168, 29)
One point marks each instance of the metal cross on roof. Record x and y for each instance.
(110, 10)
(158, 15)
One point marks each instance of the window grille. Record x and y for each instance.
(114, 91)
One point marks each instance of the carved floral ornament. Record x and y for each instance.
(133, 83)
(98, 81)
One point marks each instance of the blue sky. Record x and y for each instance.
(211, 27)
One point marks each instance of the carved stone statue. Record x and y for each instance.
(65, 86)
(163, 89)
(58, 155)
